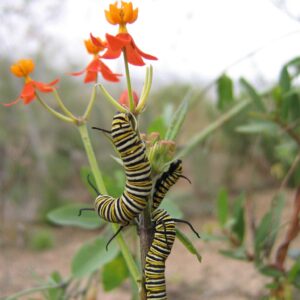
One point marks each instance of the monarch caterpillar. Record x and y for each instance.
(138, 184)
(166, 181)
(163, 239)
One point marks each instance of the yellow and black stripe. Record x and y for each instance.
(166, 181)
(138, 184)
(164, 237)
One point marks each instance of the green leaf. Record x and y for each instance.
(200, 137)
(259, 127)
(188, 244)
(225, 92)
(222, 207)
(270, 271)
(256, 98)
(294, 274)
(158, 125)
(178, 118)
(114, 273)
(268, 228)
(92, 256)
(172, 208)
(54, 293)
(238, 253)
(238, 227)
(68, 216)
(285, 79)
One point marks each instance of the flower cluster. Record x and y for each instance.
(112, 47)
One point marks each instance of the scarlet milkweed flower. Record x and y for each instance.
(124, 98)
(96, 65)
(22, 68)
(123, 40)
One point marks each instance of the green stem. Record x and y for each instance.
(129, 90)
(36, 289)
(146, 90)
(200, 137)
(101, 186)
(111, 99)
(62, 106)
(91, 104)
(54, 112)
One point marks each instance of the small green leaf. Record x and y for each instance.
(172, 208)
(114, 273)
(222, 207)
(259, 127)
(270, 271)
(285, 79)
(238, 227)
(225, 92)
(178, 118)
(188, 244)
(267, 230)
(92, 256)
(256, 98)
(238, 253)
(158, 125)
(68, 216)
(54, 293)
(294, 274)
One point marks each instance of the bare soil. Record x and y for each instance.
(216, 278)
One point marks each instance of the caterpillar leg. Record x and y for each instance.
(189, 224)
(83, 209)
(111, 239)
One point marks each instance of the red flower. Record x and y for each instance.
(96, 65)
(124, 98)
(115, 45)
(22, 69)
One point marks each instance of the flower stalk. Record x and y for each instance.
(128, 80)
(101, 186)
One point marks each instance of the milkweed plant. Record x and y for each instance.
(152, 165)
(146, 159)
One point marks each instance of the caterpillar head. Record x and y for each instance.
(124, 120)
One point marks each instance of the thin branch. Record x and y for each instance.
(289, 173)
(37, 289)
(291, 234)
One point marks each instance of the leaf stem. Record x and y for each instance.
(54, 112)
(111, 99)
(201, 136)
(91, 104)
(61, 105)
(37, 289)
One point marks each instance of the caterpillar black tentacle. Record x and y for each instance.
(138, 185)
(92, 185)
(115, 235)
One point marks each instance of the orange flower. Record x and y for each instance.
(124, 99)
(122, 16)
(23, 68)
(115, 45)
(96, 65)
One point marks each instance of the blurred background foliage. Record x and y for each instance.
(43, 165)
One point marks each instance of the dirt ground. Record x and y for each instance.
(216, 278)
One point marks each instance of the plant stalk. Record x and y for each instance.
(101, 186)
(146, 237)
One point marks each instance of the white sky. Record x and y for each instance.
(193, 39)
